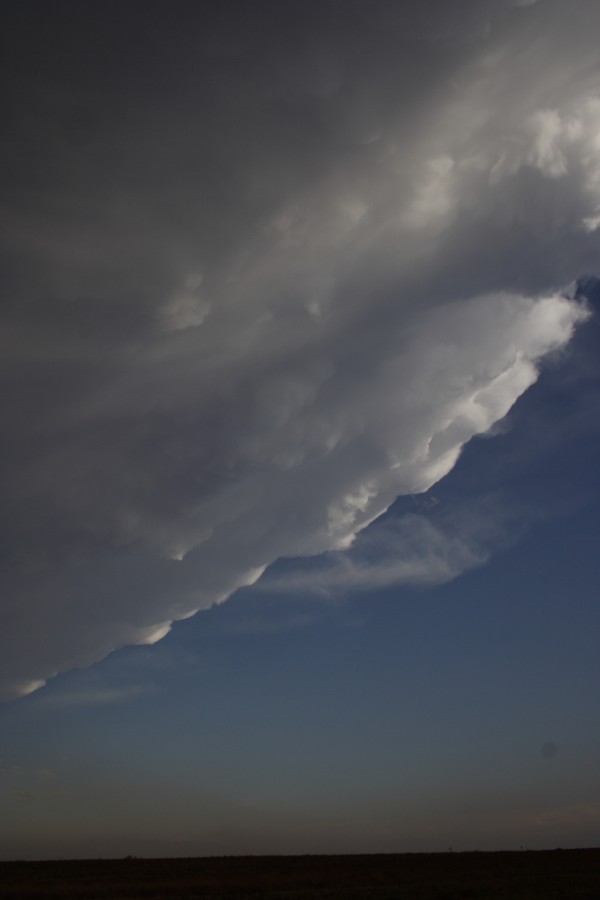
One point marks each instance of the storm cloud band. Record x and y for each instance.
(263, 275)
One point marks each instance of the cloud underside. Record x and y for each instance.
(299, 301)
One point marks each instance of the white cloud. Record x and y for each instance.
(186, 308)
(546, 153)
(152, 633)
(12, 690)
(410, 550)
(435, 194)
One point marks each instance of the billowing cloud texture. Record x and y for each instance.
(269, 266)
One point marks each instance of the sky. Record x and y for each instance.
(301, 427)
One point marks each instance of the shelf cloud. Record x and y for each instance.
(265, 282)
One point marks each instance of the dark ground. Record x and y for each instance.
(528, 875)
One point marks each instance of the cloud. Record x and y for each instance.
(255, 299)
(407, 550)
(92, 696)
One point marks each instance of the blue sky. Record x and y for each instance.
(460, 715)
(302, 429)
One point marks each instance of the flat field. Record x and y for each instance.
(528, 875)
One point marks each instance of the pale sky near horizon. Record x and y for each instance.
(301, 402)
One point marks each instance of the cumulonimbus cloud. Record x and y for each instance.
(249, 378)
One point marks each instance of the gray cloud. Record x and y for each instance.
(265, 273)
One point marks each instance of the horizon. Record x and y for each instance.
(448, 852)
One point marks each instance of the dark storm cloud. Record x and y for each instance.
(267, 266)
